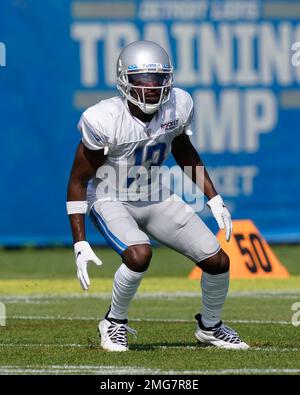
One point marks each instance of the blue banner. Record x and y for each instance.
(240, 60)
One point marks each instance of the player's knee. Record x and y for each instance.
(138, 257)
(216, 264)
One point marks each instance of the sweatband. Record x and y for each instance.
(77, 207)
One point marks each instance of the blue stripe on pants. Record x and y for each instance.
(111, 239)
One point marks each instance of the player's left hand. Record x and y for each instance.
(221, 214)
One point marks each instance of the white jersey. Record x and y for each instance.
(130, 143)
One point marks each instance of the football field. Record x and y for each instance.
(51, 325)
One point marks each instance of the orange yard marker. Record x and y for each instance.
(250, 255)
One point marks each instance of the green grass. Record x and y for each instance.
(52, 325)
(289, 256)
(59, 262)
(161, 346)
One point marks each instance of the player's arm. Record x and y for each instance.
(189, 160)
(85, 166)
(186, 156)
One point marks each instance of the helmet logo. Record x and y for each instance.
(132, 67)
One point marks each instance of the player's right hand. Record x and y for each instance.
(83, 255)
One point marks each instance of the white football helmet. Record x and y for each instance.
(145, 75)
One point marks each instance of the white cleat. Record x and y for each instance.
(220, 336)
(113, 334)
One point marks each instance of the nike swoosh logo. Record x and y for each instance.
(78, 254)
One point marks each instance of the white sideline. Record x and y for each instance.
(144, 295)
(73, 369)
(153, 347)
(130, 370)
(83, 318)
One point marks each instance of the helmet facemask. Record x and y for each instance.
(146, 89)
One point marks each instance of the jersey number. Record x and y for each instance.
(145, 154)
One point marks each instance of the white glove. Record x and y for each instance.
(221, 214)
(84, 254)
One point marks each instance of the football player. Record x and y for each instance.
(140, 127)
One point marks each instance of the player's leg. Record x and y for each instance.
(176, 225)
(214, 283)
(123, 234)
